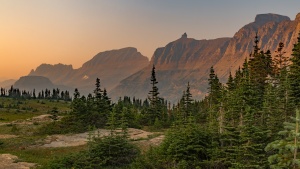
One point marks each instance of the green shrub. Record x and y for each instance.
(66, 125)
(108, 152)
(1, 143)
(187, 146)
(15, 129)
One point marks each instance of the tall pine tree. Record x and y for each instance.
(295, 73)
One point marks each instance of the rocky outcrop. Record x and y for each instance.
(188, 60)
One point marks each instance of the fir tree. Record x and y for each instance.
(286, 149)
(230, 83)
(253, 141)
(260, 67)
(295, 72)
(187, 99)
(280, 61)
(155, 101)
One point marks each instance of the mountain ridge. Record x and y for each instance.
(175, 70)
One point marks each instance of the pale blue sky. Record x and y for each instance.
(73, 31)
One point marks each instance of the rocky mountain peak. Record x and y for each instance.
(184, 35)
(269, 17)
(297, 17)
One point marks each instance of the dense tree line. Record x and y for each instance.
(16, 93)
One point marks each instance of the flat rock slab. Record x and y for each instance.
(82, 138)
(8, 161)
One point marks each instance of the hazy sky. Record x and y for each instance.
(73, 31)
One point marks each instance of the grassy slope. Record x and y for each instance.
(23, 145)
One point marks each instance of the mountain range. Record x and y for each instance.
(127, 72)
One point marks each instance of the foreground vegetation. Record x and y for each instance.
(252, 121)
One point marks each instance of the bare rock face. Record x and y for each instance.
(110, 66)
(188, 60)
(275, 29)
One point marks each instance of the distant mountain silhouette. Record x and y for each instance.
(39, 83)
(110, 66)
(7, 83)
(33, 82)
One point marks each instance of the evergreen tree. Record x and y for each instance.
(155, 101)
(286, 149)
(282, 83)
(295, 73)
(280, 61)
(272, 114)
(260, 67)
(231, 153)
(33, 94)
(186, 104)
(253, 142)
(230, 83)
(78, 105)
(214, 88)
(214, 97)
(98, 91)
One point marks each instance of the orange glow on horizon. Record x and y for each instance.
(33, 32)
